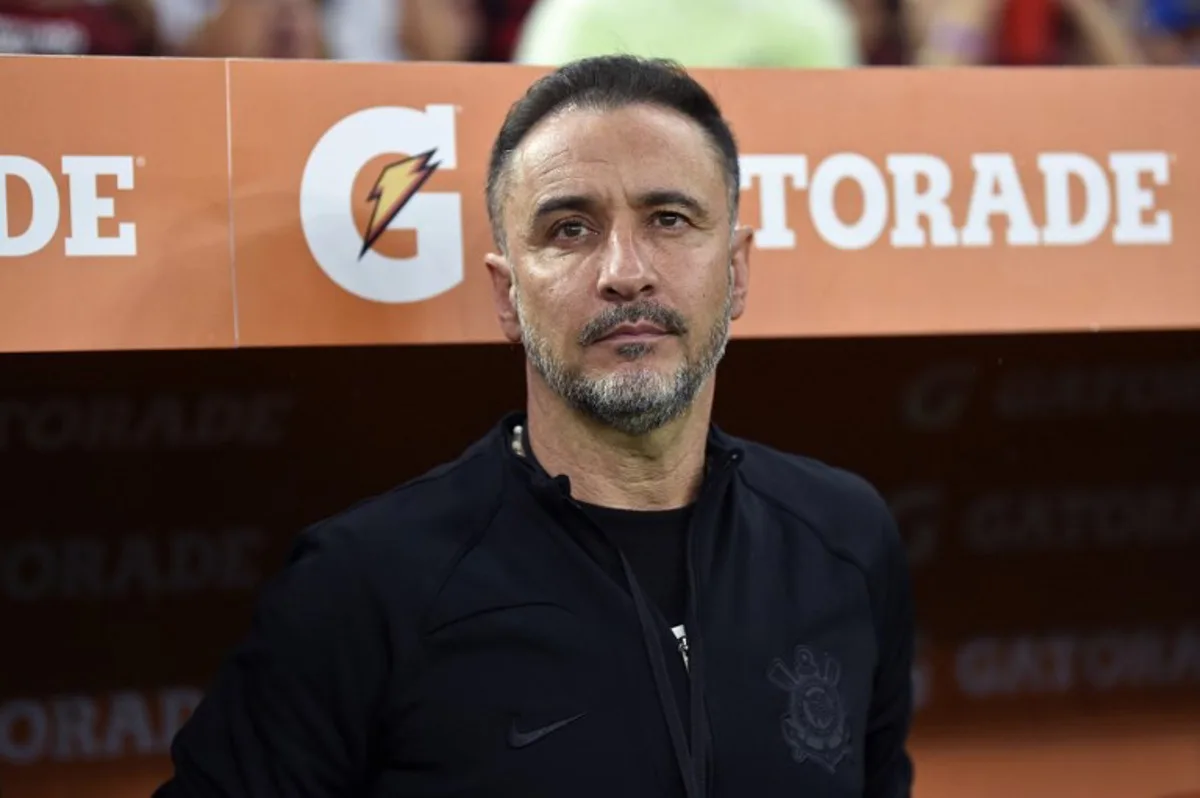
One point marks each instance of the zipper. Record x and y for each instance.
(694, 760)
(709, 504)
(652, 642)
(682, 645)
(658, 665)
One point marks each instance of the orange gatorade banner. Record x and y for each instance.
(198, 204)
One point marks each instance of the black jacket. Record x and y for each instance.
(470, 634)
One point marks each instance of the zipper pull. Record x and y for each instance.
(680, 633)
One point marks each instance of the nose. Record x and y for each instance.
(625, 273)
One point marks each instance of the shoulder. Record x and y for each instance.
(361, 580)
(843, 511)
(840, 507)
(417, 530)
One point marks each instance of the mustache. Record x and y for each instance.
(669, 320)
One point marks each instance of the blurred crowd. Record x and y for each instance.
(722, 33)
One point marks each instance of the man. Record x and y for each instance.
(606, 596)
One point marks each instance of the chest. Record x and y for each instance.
(535, 680)
(790, 673)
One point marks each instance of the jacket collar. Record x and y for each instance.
(512, 438)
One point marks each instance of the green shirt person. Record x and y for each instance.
(696, 33)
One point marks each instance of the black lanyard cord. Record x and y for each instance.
(698, 709)
(666, 692)
(694, 761)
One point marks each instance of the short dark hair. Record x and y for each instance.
(608, 82)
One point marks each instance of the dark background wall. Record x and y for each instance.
(1048, 487)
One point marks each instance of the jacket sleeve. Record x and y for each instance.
(889, 769)
(291, 711)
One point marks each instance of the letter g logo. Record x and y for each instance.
(422, 142)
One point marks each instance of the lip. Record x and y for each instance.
(641, 331)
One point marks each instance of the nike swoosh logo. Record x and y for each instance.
(520, 739)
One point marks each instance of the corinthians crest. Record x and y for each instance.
(815, 723)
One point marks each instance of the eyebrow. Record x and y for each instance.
(659, 197)
(563, 202)
(648, 199)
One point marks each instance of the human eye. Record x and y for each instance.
(670, 220)
(568, 230)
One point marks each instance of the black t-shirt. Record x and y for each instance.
(655, 543)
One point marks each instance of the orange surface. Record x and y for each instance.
(164, 122)
(886, 202)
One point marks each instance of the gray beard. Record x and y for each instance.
(634, 402)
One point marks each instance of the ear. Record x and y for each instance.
(743, 238)
(504, 295)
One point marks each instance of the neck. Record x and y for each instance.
(660, 470)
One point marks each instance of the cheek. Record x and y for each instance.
(551, 307)
(710, 292)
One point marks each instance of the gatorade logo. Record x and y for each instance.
(347, 250)
(31, 208)
(906, 200)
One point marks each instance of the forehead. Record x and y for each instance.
(615, 153)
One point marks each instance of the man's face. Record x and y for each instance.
(622, 270)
